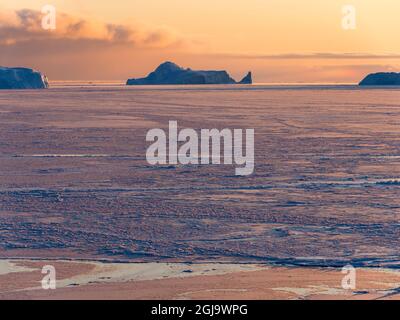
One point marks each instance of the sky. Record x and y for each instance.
(280, 41)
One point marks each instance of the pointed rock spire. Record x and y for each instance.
(247, 79)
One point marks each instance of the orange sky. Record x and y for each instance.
(279, 40)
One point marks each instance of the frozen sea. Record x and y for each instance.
(75, 184)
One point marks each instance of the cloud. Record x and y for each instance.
(359, 67)
(311, 56)
(25, 26)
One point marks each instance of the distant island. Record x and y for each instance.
(170, 73)
(22, 78)
(381, 79)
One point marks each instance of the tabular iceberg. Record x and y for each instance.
(381, 79)
(22, 78)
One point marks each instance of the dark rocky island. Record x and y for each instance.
(381, 79)
(22, 78)
(172, 74)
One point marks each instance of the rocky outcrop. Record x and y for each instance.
(381, 79)
(172, 74)
(22, 78)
